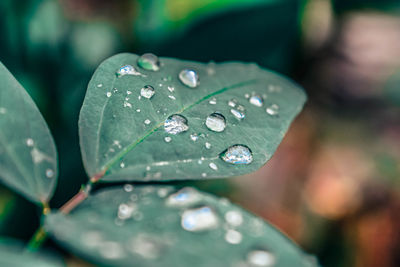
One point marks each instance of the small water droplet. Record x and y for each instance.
(108, 94)
(216, 122)
(260, 258)
(149, 61)
(125, 211)
(234, 218)
(238, 115)
(273, 109)
(128, 92)
(213, 166)
(184, 197)
(3, 110)
(204, 175)
(213, 101)
(49, 173)
(128, 188)
(147, 121)
(172, 97)
(171, 88)
(194, 137)
(207, 145)
(232, 103)
(176, 124)
(127, 104)
(233, 237)
(29, 142)
(256, 100)
(128, 70)
(122, 165)
(147, 91)
(237, 154)
(163, 192)
(167, 139)
(148, 168)
(138, 110)
(200, 219)
(100, 85)
(246, 95)
(189, 78)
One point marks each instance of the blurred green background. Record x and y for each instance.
(333, 186)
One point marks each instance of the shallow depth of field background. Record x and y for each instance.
(334, 183)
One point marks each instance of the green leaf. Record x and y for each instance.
(28, 158)
(144, 226)
(12, 253)
(124, 136)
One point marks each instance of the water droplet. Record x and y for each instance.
(246, 95)
(175, 124)
(172, 97)
(237, 154)
(273, 109)
(171, 88)
(29, 142)
(189, 78)
(238, 115)
(233, 237)
(108, 94)
(163, 192)
(216, 122)
(213, 166)
(128, 70)
(194, 137)
(256, 100)
(100, 85)
(260, 258)
(147, 91)
(122, 165)
(138, 110)
(125, 211)
(167, 139)
(184, 197)
(232, 103)
(3, 110)
(149, 61)
(207, 145)
(147, 121)
(234, 218)
(148, 168)
(213, 101)
(204, 175)
(128, 188)
(200, 219)
(128, 92)
(127, 104)
(49, 173)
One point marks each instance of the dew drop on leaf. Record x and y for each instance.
(125, 211)
(167, 139)
(149, 61)
(238, 114)
(49, 173)
(234, 218)
(176, 124)
(256, 100)
(207, 145)
(127, 70)
(232, 103)
(213, 166)
(213, 101)
(184, 197)
(260, 258)
(237, 154)
(272, 110)
(233, 237)
(189, 78)
(29, 142)
(216, 122)
(200, 219)
(147, 91)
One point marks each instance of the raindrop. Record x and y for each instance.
(108, 94)
(238, 114)
(189, 78)
(184, 197)
(200, 219)
(172, 97)
(147, 121)
(232, 103)
(128, 92)
(167, 139)
(216, 122)
(49, 173)
(29, 142)
(213, 101)
(122, 165)
(213, 166)
(175, 124)
(234, 218)
(100, 85)
(147, 91)
(246, 95)
(237, 154)
(128, 188)
(194, 137)
(273, 109)
(149, 61)
(260, 258)
(146, 247)
(127, 70)
(125, 211)
(207, 145)
(148, 168)
(256, 100)
(233, 237)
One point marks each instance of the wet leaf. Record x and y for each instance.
(133, 134)
(159, 226)
(28, 159)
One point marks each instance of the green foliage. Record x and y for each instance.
(124, 135)
(151, 226)
(28, 157)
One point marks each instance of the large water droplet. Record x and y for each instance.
(127, 70)
(128, 188)
(260, 258)
(216, 122)
(256, 100)
(233, 237)
(213, 101)
(175, 124)
(237, 154)
(167, 139)
(184, 197)
(189, 78)
(273, 109)
(200, 219)
(149, 61)
(147, 91)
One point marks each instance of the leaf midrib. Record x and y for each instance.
(128, 148)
